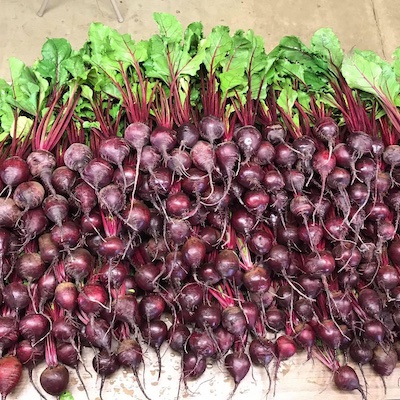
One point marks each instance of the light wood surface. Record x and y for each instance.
(297, 380)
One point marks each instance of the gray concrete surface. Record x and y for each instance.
(366, 24)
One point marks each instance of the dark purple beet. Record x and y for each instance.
(208, 274)
(77, 156)
(125, 178)
(346, 379)
(126, 309)
(111, 198)
(179, 161)
(178, 335)
(211, 129)
(85, 197)
(262, 351)
(8, 333)
(78, 264)
(326, 129)
(250, 176)
(265, 154)
(193, 365)
(227, 155)
(238, 365)
(14, 170)
(114, 274)
(33, 223)
(252, 314)
(64, 330)
(387, 277)
(226, 263)
(224, 340)
(374, 331)
(68, 355)
(329, 333)
(150, 159)
(257, 279)
(160, 181)
(191, 296)
(15, 296)
(201, 343)
(370, 302)
(129, 354)
(207, 316)
(175, 268)
(145, 276)
(151, 306)
(137, 216)
(178, 231)
(63, 180)
(114, 150)
(260, 242)
(46, 288)
(196, 182)
(30, 266)
(97, 173)
(98, 333)
(187, 134)
(30, 355)
(360, 143)
(243, 221)
(105, 364)
(56, 208)
(163, 139)
(285, 156)
(66, 296)
(194, 252)
(9, 212)
(111, 247)
(54, 380)
(234, 321)
(28, 195)
(178, 204)
(360, 352)
(92, 299)
(42, 163)
(67, 235)
(137, 134)
(154, 334)
(384, 360)
(34, 327)
(294, 180)
(274, 133)
(319, 265)
(248, 138)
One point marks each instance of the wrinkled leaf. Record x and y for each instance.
(325, 43)
(217, 45)
(22, 127)
(170, 28)
(368, 72)
(287, 98)
(30, 89)
(55, 53)
(6, 117)
(396, 62)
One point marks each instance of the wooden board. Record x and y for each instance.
(297, 380)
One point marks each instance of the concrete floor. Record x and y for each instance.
(366, 24)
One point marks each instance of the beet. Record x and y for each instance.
(54, 380)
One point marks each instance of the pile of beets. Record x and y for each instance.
(257, 242)
(256, 246)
